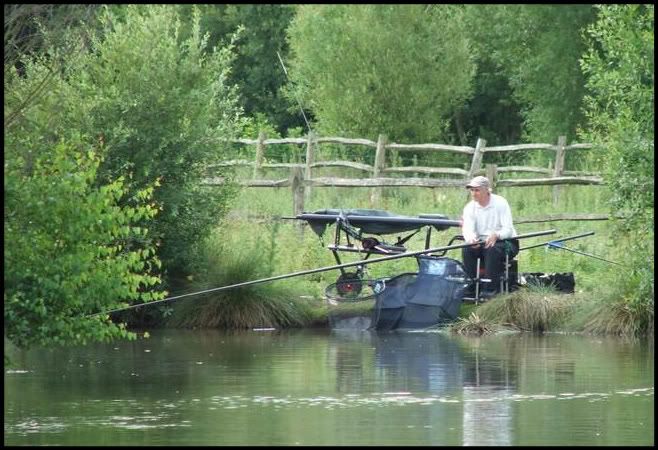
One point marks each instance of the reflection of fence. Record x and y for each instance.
(300, 176)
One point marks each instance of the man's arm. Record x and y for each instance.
(468, 224)
(507, 227)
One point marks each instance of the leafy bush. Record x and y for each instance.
(158, 104)
(620, 107)
(163, 104)
(71, 250)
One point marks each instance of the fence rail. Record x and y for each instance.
(300, 175)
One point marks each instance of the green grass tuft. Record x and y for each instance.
(533, 309)
(474, 324)
(270, 304)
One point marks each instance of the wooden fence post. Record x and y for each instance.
(559, 165)
(297, 185)
(476, 162)
(380, 162)
(310, 157)
(492, 173)
(260, 150)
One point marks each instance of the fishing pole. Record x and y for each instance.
(308, 272)
(582, 253)
(296, 96)
(559, 240)
(557, 244)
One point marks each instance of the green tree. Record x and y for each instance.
(369, 69)
(71, 249)
(164, 104)
(619, 66)
(256, 68)
(25, 27)
(159, 103)
(537, 48)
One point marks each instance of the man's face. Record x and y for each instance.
(478, 194)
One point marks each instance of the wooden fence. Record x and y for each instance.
(301, 179)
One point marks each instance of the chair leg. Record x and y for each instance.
(506, 274)
(477, 282)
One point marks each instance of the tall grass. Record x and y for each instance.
(535, 309)
(526, 202)
(610, 312)
(540, 309)
(229, 260)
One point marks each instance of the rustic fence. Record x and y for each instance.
(301, 178)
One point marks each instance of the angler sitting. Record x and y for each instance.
(486, 222)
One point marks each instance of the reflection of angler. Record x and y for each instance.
(488, 385)
(487, 416)
(449, 367)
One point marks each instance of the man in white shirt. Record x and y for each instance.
(487, 222)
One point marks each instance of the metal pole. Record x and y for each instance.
(506, 283)
(308, 272)
(477, 281)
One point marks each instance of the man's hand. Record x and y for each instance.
(491, 240)
(476, 243)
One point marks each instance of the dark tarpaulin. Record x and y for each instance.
(374, 221)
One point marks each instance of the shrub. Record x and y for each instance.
(71, 250)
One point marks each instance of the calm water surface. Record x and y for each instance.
(341, 387)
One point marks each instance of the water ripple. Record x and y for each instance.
(406, 398)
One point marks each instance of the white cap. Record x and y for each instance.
(479, 182)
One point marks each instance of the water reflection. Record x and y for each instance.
(341, 387)
(416, 364)
(494, 383)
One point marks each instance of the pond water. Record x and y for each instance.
(340, 387)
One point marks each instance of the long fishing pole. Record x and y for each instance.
(557, 244)
(583, 253)
(296, 96)
(308, 272)
(559, 240)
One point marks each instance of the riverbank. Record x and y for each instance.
(534, 309)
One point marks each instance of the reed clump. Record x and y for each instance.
(475, 325)
(276, 304)
(535, 308)
(619, 318)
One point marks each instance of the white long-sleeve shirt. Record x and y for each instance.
(480, 221)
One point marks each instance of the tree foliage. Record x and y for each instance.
(537, 48)
(158, 102)
(71, 249)
(154, 107)
(619, 66)
(25, 26)
(256, 68)
(369, 69)
(163, 104)
(491, 113)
